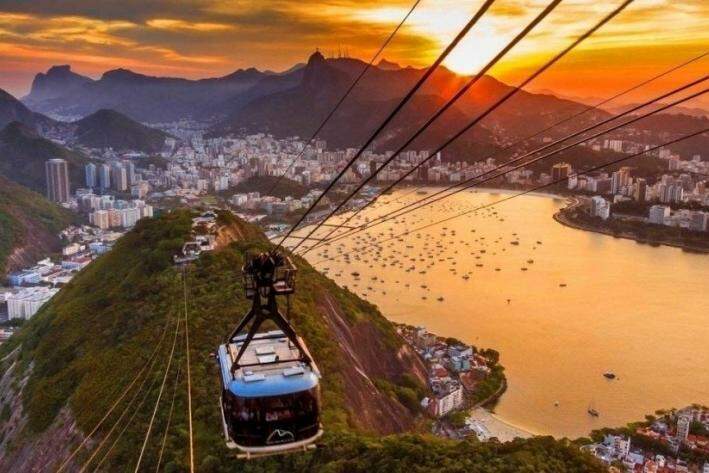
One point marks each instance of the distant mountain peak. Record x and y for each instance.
(388, 65)
(316, 58)
(56, 81)
(121, 74)
(250, 73)
(107, 128)
(60, 69)
(12, 110)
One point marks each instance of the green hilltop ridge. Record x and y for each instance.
(23, 154)
(72, 360)
(266, 185)
(109, 129)
(28, 222)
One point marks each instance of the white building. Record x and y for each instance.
(26, 302)
(451, 401)
(683, 423)
(658, 214)
(600, 207)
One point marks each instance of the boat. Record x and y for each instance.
(593, 412)
(440, 299)
(556, 403)
(562, 285)
(609, 375)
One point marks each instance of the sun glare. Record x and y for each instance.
(474, 51)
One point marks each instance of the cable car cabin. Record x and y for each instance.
(271, 400)
(190, 252)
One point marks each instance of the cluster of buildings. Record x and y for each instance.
(105, 211)
(204, 238)
(674, 432)
(29, 289)
(621, 186)
(695, 220)
(454, 370)
(270, 205)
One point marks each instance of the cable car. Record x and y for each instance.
(270, 400)
(190, 252)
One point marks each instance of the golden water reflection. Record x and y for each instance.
(639, 311)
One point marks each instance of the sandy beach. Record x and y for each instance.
(497, 427)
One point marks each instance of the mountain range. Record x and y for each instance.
(62, 92)
(296, 101)
(103, 128)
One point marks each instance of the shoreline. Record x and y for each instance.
(563, 219)
(498, 427)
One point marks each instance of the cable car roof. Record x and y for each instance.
(265, 375)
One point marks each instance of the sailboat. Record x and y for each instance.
(592, 411)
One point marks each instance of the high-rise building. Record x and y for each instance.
(683, 423)
(600, 207)
(57, 172)
(90, 170)
(641, 190)
(104, 176)
(130, 169)
(120, 177)
(620, 179)
(658, 214)
(560, 171)
(372, 167)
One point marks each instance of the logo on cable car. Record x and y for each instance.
(280, 436)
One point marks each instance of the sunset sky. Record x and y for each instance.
(207, 38)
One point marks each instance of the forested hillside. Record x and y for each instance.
(118, 321)
(29, 226)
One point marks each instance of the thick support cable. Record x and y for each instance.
(404, 209)
(344, 97)
(474, 122)
(552, 153)
(479, 14)
(529, 191)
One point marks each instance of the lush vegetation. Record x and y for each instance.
(265, 185)
(110, 129)
(97, 334)
(640, 209)
(641, 231)
(408, 391)
(23, 154)
(22, 212)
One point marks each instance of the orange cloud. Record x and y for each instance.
(181, 25)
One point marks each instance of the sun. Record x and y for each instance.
(474, 51)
